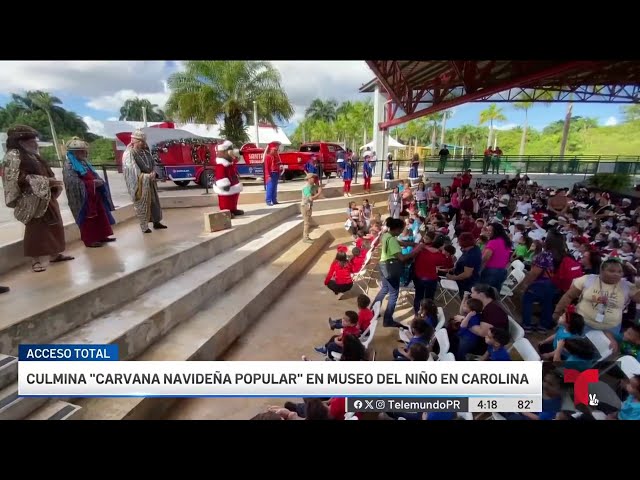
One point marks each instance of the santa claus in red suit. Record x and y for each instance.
(227, 184)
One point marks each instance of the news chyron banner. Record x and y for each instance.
(73, 371)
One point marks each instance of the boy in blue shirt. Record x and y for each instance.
(468, 341)
(497, 339)
(422, 333)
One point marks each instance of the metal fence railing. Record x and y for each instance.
(507, 164)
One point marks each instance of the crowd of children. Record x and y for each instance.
(542, 228)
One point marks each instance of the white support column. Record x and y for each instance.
(379, 115)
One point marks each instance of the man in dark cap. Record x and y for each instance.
(32, 190)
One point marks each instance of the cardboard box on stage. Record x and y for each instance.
(216, 221)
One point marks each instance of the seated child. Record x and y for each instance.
(419, 352)
(629, 342)
(468, 341)
(496, 340)
(338, 279)
(428, 312)
(450, 252)
(579, 353)
(422, 333)
(523, 250)
(356, 260)
(349, 327)
(365, 314)
(570, 325)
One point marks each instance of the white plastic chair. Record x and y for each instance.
(376, 310)
(441, 319)
(448, 291)
(517, 265)
(442, 337)
(497, 416)
(629, 366)
(514, 279)
(466, 415)
(367, 336)
(526, 350)
(516, 332)
(447, 357)
(601, 342)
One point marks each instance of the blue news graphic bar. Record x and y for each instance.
(67, 353)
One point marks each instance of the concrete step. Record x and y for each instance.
(55, 410)
(326, 217)
(45, 306)
(332, 203)
(287, 192)
(13, 407)
(8, 370)
(12, 253)
(211, 331)
(136, 325)
(337, 231)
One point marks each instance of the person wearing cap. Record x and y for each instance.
(310, 192)
(32, 190)
(227, 184)
(141, 180)
(272, 167)
(88, 196)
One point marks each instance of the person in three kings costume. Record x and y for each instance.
(88, 195)
(227, 184)
(32, 190)
(142, 183)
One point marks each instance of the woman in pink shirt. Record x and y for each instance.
(496, 256)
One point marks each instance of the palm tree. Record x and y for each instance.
(491, 114)
(46, 102)
(207, 90)
(133, 107)
(525, 105)
(319, 110)
(445, 115)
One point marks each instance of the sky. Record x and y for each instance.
(96, 90)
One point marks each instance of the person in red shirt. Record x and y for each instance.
(437, 189)
(365, 315)
(466, 178)
(425, 269)
(467, 224)
(349, 327)
(338, 278)
(272, 175)
(457, 182)
(356, 260)
(477, 229)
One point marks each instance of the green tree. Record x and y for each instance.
(631, 112)
(207, 90)
(132, 110)
(320, 110)
(491, 114)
